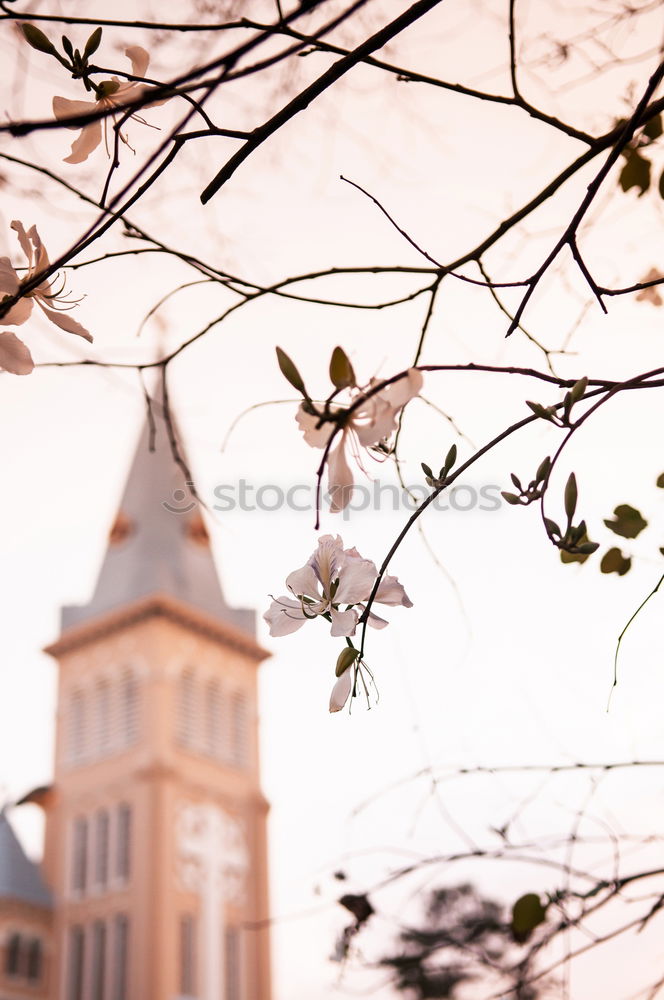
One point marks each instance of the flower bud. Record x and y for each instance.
(345, 660)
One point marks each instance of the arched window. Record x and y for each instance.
(239, 734)
(34, 965)
(102, 719)
(102, 830)
(13, 955)
(128, 709)
(77, 734)
(123, 842)
(79, 861)
(187, 709)
(213, 719)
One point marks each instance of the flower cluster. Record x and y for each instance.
(53, 302)
(335, 584)
(110, 94)
(367, 422)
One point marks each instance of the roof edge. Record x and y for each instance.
(158, 605)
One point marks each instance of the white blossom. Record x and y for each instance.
(370, 423)
(333, 577)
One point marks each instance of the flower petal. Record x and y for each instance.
(14, 355)
(23, 239)
(341, 691)
(343, 622)
(64, 321)
(356, 579)
(304, 582)
(392, 593)
(376, 421)
(327, 560)
(140, 59)
(64, 108)
(399, 393)
(339, 477)
(8, 277)
(314, 436)
(376, 621)
(18, 313)
(87, 141)
(284, 616)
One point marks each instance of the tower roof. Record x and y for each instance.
(20, 878)
(158, 544)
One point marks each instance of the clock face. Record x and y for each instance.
(212, 850)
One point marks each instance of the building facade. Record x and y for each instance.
(154, 877)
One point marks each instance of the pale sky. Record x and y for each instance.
(510, 664)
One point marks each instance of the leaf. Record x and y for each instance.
(511, 498)
(341, 371)
(426, 470)
(635, 173)
(614, 561)
(552, 527)
(68, 47)
(358, 905)
(36, 39)
(661, 184)
(539, 410)
(571, 496)
(660, 481)
(585, 550)
(290, 372)
(92, 43)
(627, 522)
(527, 914)
(653, 129)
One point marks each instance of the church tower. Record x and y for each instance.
(155, 847)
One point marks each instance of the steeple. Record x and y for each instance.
(158, 544)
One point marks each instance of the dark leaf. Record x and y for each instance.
(571, 496)
(660, 481)
(527, 914)
(653, 129)
(290, 372)
(510, 498)
(341, 371)
(359, 906)
(614, 561)
(92, 43)
(635, 173)
(627, 521)
(37, 39)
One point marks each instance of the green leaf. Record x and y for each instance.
(627, 522)
(527, 914)
(341, 371)
(614, 561)
(660, 481)
(543, 470)
(571, 496)
(36, 39)
(92, 43)
(636, 172)
(426, 470)
(653, 129)
(290, 372)
(511, 498)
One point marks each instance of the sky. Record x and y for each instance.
(506, 657)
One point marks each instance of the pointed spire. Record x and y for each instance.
(158, 543)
